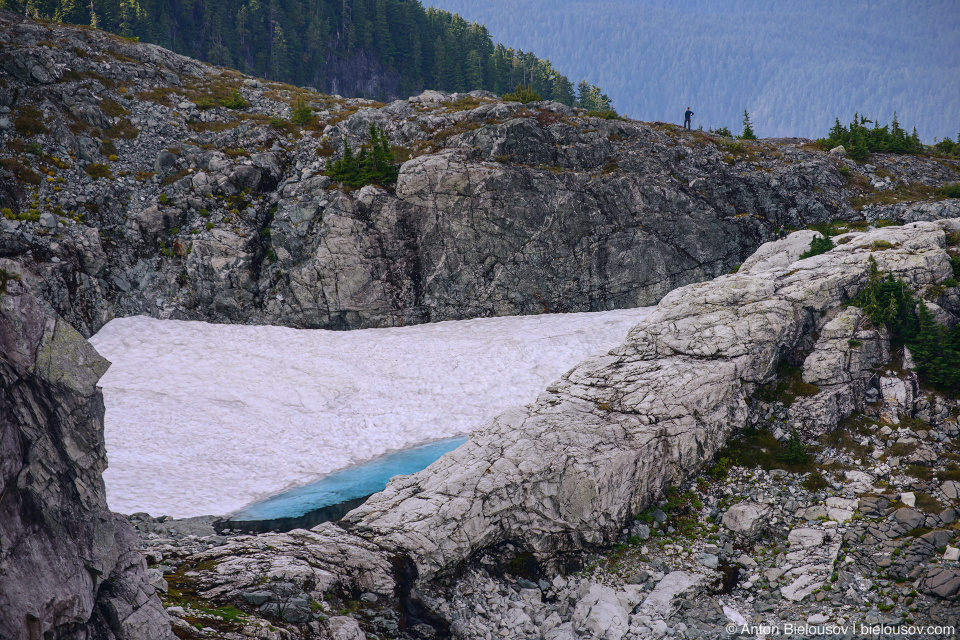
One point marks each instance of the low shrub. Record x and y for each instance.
(29, 122)
(815, 482)
(522, 94)
(235, 101)
(205, 102)
(96, 171)
(795, 452)
(951, 190)
(23, 173)
(606, 114)
(818, 246)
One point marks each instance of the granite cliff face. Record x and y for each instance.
(140, 193)
(68, 567)
(565, 474)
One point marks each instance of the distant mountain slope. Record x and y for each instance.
(794, 64)
(358, 48)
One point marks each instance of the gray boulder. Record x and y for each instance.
(76, 567)
(344, 628)
(165, 164)
(746, 518)
(909, 518)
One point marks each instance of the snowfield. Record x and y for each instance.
(206, 419)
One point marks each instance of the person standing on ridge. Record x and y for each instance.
(686, 118)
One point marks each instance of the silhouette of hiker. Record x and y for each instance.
(686, 118)
(782, 233)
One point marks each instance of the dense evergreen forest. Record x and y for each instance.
(401, 46)
(795, 65)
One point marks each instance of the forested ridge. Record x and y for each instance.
(794, 65)
(398, 45)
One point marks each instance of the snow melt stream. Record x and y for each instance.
(206, 419)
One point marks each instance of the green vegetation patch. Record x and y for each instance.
(845, 436)
(818, 246)
(902, 193)
(466, 103)
(950, 191)
(523, 94)
(23, 173)
(606, 114)
(681, 510)
(96, 171)
(123, 129)
(113, 108)
(757, 448)
(29, 121)
(375, 164)
(788, 386)
(302, 113)
(815, 482)
(860, 141)
(935, 347)
(235, 101)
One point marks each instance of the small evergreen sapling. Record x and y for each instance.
(795, 451)
(748, 133)
(302, 113)
(818, 245)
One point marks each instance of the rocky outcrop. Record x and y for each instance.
(67, 566)
(562, 475)
(181, 207)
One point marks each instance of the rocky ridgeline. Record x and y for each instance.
(137, 181)
(68, 567)
(862, 532)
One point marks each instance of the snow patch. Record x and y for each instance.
(205, 419)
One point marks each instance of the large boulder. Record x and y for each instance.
(746, 518)
(66, 564)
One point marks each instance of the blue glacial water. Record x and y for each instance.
(347, 485)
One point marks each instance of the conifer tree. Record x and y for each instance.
(748, 133)
(473, 74)
(278, 54)
(858, 144)
(292, 40)
(439, 63)
(838, 132)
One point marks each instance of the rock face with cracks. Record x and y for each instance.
(564, 473)
(68, 567)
